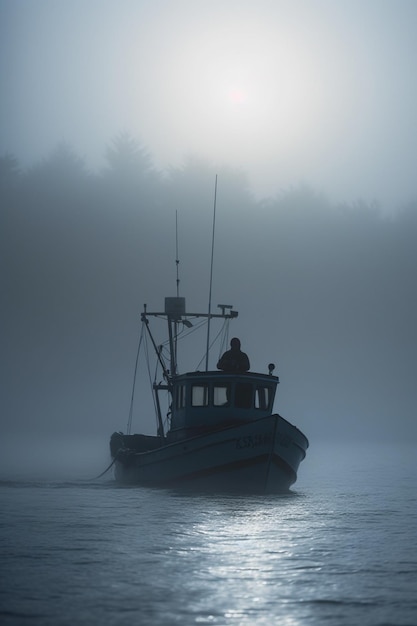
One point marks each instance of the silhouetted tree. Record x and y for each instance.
(332, 288)
(191, 188)
(128, 161)
(62, 173)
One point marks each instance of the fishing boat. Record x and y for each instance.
(220, 432)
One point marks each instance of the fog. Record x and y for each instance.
(308, 91)
(116, 118)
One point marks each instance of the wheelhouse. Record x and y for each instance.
(204, 401)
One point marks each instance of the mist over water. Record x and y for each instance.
(340, 549)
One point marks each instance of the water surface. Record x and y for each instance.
(341, 549)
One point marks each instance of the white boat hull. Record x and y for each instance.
(261, 456)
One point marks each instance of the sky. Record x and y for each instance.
(315, 91)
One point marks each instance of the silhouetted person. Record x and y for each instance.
(234, 360)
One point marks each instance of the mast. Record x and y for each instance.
(211, 274)
(173, 337)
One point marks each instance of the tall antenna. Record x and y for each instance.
(211, 273)
(177, 261)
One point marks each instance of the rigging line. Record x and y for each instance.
(211, 274)
(160, 348)
(129, 422)
(185, 333)
(225, 339)
(163, 356)
(157, 405)
(150, 377)
(212, 344)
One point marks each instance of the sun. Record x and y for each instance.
(237, 95)
(243, 89)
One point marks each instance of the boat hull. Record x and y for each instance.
(260, 456)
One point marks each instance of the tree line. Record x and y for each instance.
(331, 287)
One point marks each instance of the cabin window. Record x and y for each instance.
(262, 398)
(243, 395)
(180, 396)
(199, 395)
(221, 395)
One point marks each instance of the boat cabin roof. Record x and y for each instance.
(218, 375)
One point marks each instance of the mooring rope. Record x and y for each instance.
(90, 480)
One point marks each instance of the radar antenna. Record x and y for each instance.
(177, 261)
